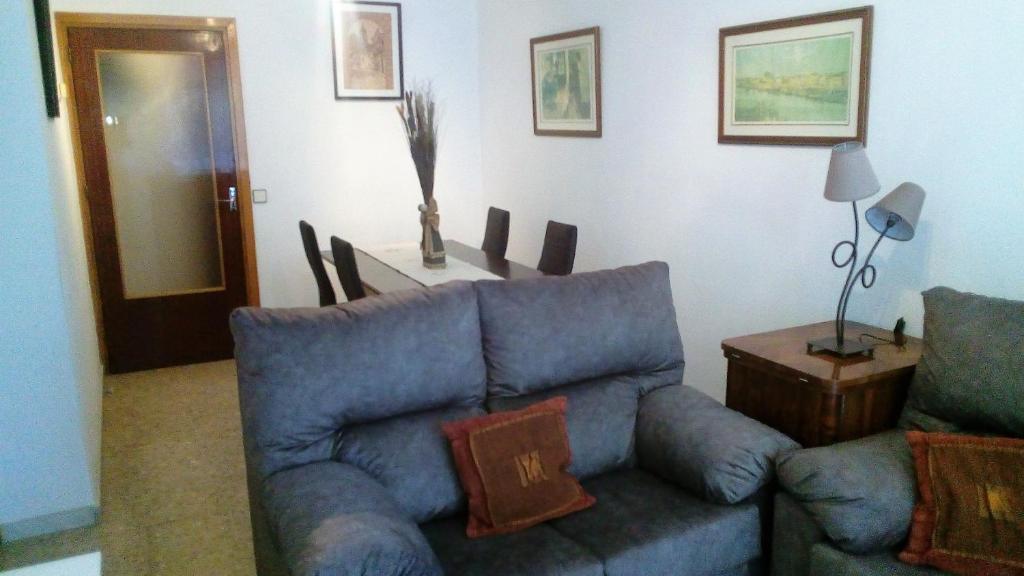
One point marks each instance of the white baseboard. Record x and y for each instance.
(84, 565)
(50, 523)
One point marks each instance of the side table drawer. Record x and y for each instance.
(800, 408)
(780, 401)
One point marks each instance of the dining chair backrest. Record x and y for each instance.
(559, 252)
(348, 270)
(323, 283)
(496, 233)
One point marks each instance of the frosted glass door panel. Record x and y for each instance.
(162, 178)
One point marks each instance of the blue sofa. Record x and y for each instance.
(349, 472)
(846, 509)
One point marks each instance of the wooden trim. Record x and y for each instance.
(865, 14)
(63, 21)
(67, 20)
(100, 20)
(252, 283)
(596, 33)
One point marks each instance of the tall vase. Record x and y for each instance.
(430, 242)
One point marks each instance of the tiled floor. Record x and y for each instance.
(173, 480)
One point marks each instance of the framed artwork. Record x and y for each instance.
(796, 81)
(566, 80)
(367, 41)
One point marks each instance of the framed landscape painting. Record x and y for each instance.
(566, 82)
(796, 81)
(367, 39)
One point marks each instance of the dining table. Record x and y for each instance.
(394, 267)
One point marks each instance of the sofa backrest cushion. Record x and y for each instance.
(410, 456)
(971, 374)
(600, 415)
(306, 374)
(545, 332)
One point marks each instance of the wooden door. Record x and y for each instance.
(157, 150)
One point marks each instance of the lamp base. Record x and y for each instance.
(845, 350)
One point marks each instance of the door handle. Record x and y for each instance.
(232, 199)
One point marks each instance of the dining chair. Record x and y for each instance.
(348, 270)
(559, 252)
(496, 233)
(323, 283)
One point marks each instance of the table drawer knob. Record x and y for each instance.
(804, 380)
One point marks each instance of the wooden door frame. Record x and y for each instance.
(66, 20)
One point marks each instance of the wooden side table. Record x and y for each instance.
(818, 399)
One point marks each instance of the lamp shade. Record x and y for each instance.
(850, 176)
(903, 205)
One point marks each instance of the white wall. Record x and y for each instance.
(341, 165)
(745, 228)
(78, 296)
(49, 363)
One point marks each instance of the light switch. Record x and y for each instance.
(259, 196)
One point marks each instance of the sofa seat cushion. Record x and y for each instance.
(537, 551)
(410, 456)
(643, 525)
(600, 415)
(827, 560)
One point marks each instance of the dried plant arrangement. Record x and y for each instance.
(418, 112)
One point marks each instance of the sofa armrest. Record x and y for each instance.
(332, 518)
(861, 492)
(686, 437)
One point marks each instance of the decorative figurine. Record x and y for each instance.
(431, 244)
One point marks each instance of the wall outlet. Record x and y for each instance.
(259, 196)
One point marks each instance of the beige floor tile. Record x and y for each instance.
(176, 550)
(173, 405)
(173, 480)
(125, 550)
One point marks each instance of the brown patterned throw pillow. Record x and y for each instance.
(513, 465)
(970, 515)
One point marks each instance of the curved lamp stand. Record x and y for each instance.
(866, 276)
(894, 216)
